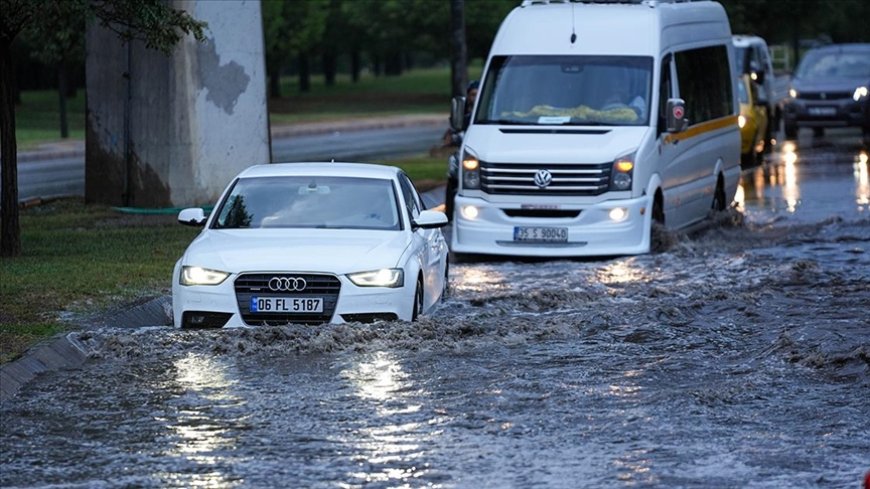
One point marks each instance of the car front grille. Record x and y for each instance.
(250, 285)
(824, 95)
(567, 178)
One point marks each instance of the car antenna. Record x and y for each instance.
(573, 32)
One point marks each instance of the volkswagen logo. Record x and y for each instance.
(287, 284)
(824, 95)
(543, 178)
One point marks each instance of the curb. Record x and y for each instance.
(59, 354)
(66, 353)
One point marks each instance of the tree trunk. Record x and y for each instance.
(10, 228)
(330, 65)
(274, 82)
(355, 65)
(304, 73)
(61, 95)
(458, 49)
(378, 64)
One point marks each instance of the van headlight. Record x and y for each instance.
(860, 93)
(470, 170)
(385, 277)
(201, 276)
(622, 172)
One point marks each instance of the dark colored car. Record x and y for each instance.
(830, 89)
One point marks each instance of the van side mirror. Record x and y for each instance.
(192, 217)
(457, 113)
(677, 121)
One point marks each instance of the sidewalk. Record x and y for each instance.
(76, 147)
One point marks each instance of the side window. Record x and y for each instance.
(664, 92)
(704, 79)
(412, 200)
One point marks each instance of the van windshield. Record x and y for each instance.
(566, 90)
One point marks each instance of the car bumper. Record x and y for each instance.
(827, 113)
(591, 233)
(219, 305)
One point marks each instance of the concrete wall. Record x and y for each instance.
(196, 117)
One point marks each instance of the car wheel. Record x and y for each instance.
(791, 131)
(450, 198)
(418, 301)
(445, 291)
(719, 203)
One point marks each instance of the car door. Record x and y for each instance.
(428, 244)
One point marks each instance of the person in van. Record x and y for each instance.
(453, 138)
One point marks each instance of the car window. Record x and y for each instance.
(834, 65)
(310, 202)
(412, 200)
(664, 92)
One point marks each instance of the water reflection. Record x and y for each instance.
(622, 272)
(862, 181)
(391, 446)
(201, 436)
(478, 279)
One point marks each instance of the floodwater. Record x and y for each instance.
(738, 358)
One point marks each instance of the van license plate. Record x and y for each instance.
(822, 110)
(540, 234)
(286, 304)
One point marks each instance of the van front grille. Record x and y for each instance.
(566, 178)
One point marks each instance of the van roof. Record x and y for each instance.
(608, 28)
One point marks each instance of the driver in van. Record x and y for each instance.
(619, 97)
(454, 138)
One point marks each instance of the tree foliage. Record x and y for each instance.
(56, 24)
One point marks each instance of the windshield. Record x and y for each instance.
(818, 64)
(566, 90)
(310, 202)
(740, 55)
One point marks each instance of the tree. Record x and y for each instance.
(151, 21)
(458, 48)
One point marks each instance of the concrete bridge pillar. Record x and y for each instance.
(171, 131)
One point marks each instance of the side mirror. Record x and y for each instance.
(192, 217)
(758, 77)
(457, 113)
(677, 121)
(429, 220)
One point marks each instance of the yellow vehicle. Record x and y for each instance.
(753, 121)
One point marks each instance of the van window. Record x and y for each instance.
(664, 93)
(704, 80)
(566, 90)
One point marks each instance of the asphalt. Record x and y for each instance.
(76, 147)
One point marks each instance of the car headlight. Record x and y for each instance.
(385, 277)
(201, 276)
(741, 121)
(470, 170)
(860, 92)
(621, 175)
(792, 93)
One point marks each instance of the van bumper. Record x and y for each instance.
(591, 233)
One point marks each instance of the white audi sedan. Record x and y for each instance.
(311, 243)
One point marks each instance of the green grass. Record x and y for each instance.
(80, 260)
(425, 171)
(37, 119)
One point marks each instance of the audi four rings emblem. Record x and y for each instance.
(543, 178)
(287, 284)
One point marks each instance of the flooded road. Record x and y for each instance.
(738, 358)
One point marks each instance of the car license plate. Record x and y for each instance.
(542, 234)
(287, 304)
(822, 111)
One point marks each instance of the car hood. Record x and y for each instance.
(548, 144)
(828, 84)
(301, 250)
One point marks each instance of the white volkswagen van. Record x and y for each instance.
(595, 120)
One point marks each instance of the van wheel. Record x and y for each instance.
(418, 300)
(719, 203)
(659, 239)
